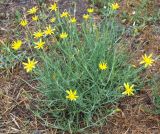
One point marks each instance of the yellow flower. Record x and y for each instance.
(147, 60)
(33, 10)
(38, 34)
(65, 14)
(35, 18)
(16, 44)
(29, 65)
(73, 20)
(23, 23)
(103, 66)
(72, 95)
(53, 19)
(128, 89)
(49, 30)
(53, 7)
(63, 35)
(86, 16)
(90, 10)
(40, 44)
(114, 6)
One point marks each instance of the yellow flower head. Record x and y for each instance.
(73, 20)
(40, 44)
(86, 16)
(63, 35)
(29, 65)
(128, 89)
(72, 95)
(33, 10)
(65, 14)
(103, 66)
(49, 30)
(16, 44)
(147, 60)
(53, 7)
(23, 23)
(53, 19)
(38, 34)
(35, 18)
(115, 6)
(90, 10)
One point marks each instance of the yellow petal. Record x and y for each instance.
(150, 55)
(132, 86)
(24, 63)
(142, 62)
(74, 92)
(67, 91)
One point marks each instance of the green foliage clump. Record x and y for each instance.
(73, 63)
